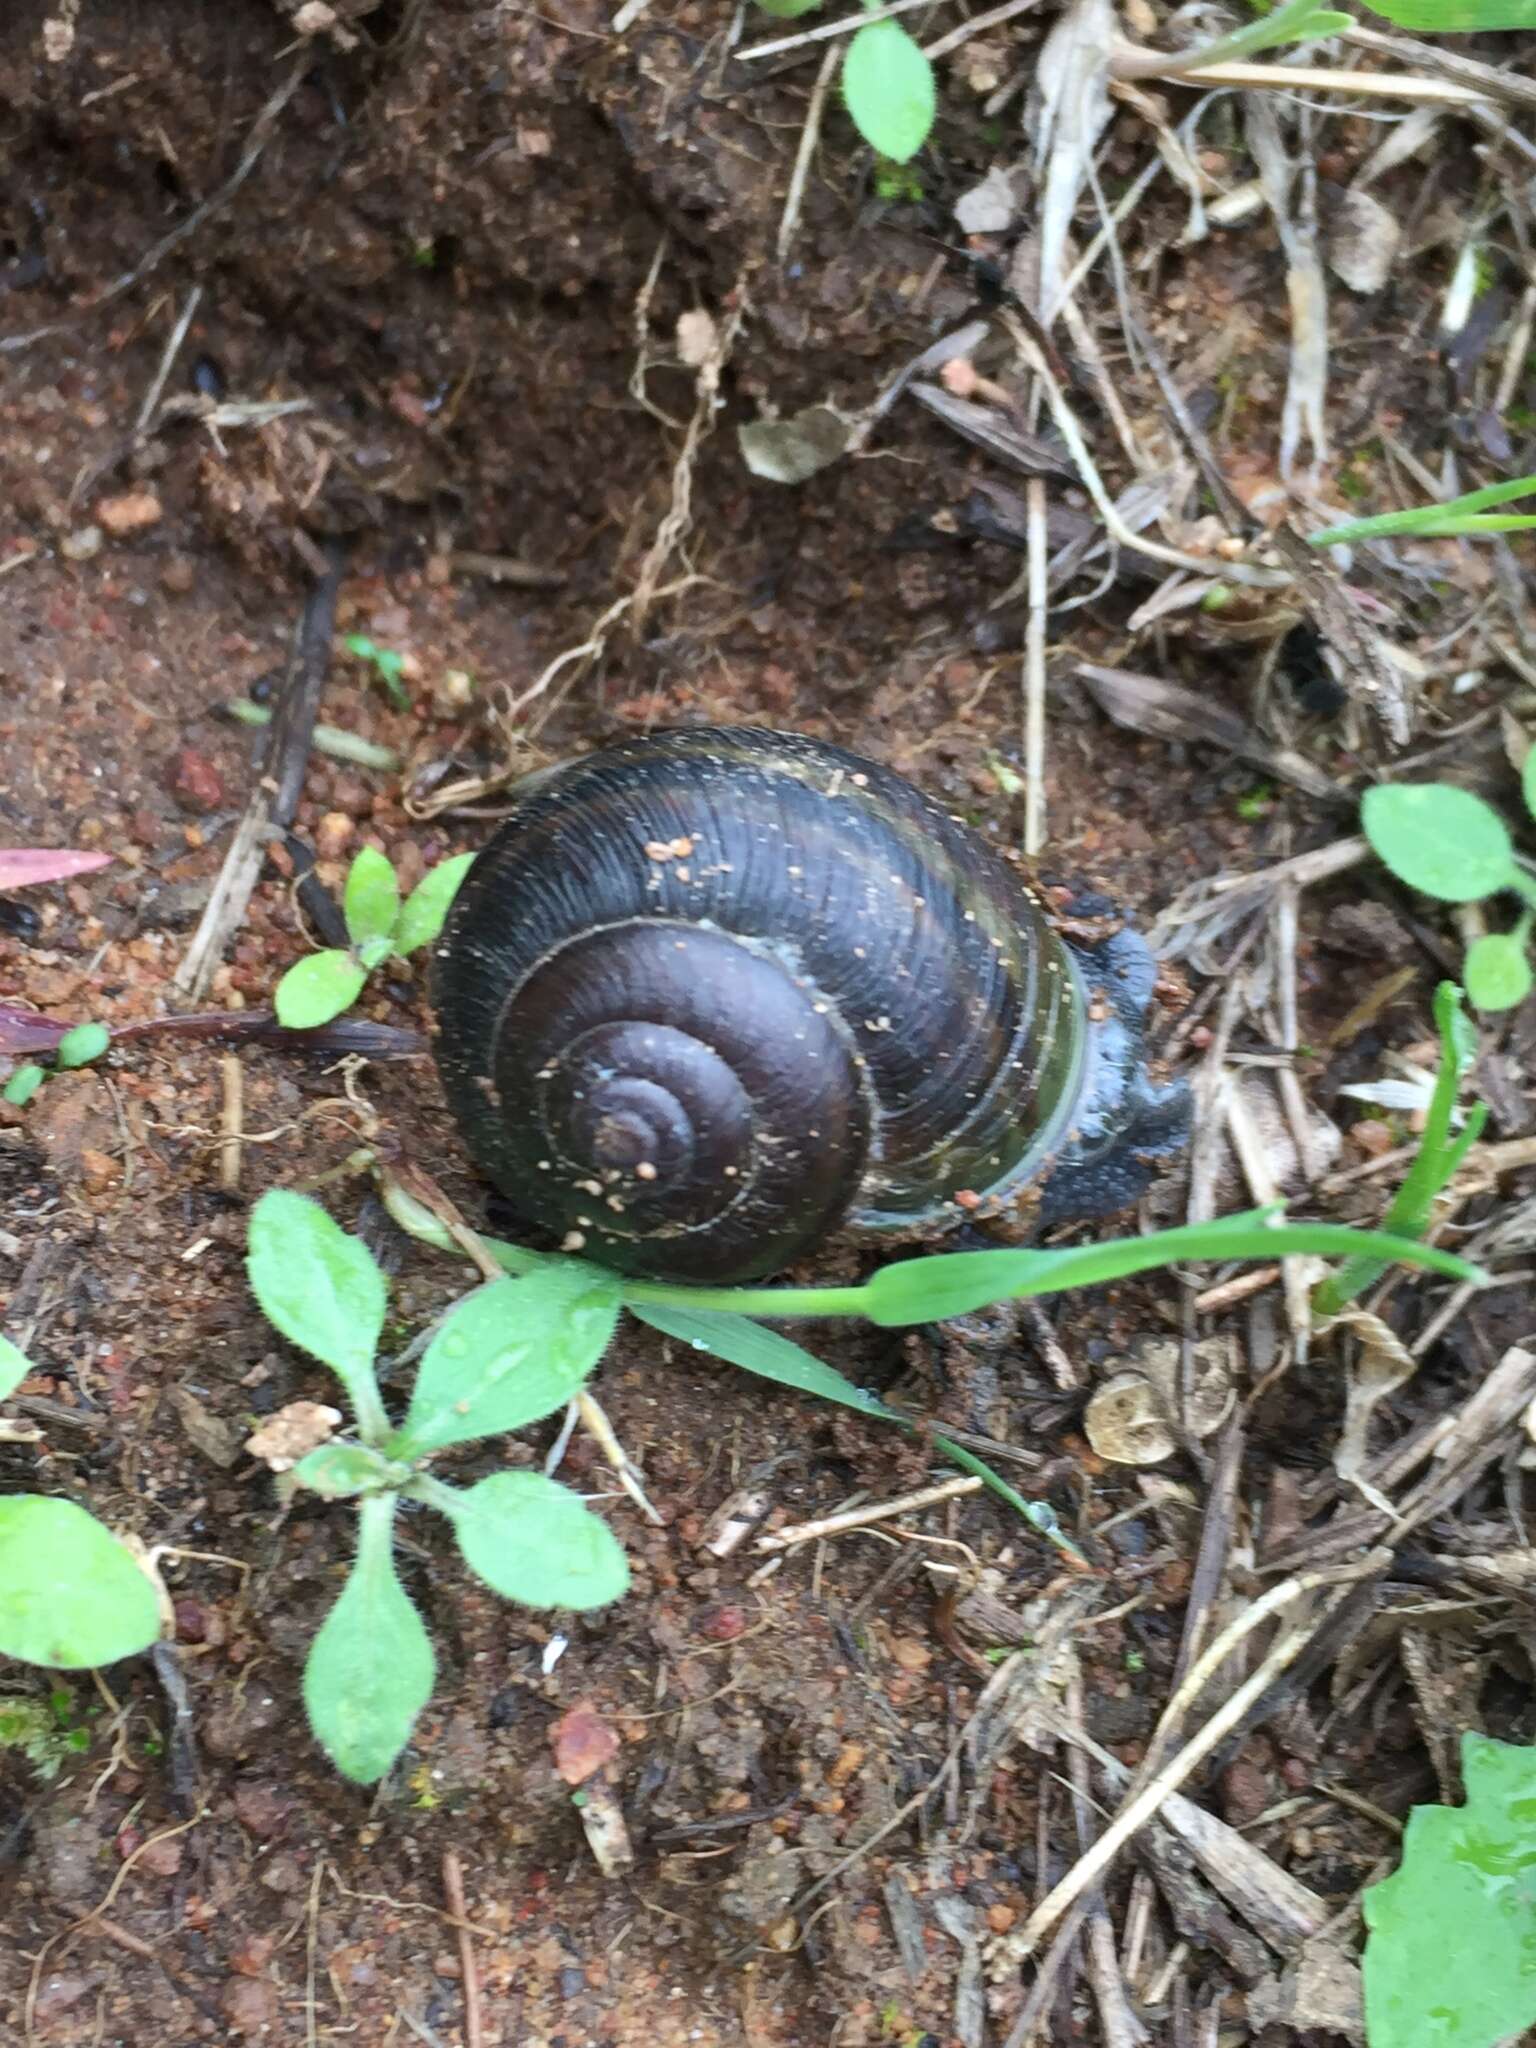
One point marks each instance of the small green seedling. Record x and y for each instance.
(728, 1322)
(71, 1595)
(315, 990)
(386, 665)
(887, 81)
(1450, 1957)
(77, 1048)
(1439, 1156)
(509, 1354)
(1447, 843)
(517, 1349)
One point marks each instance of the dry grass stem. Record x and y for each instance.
(1436, 92)
(1034, 674)
(1247, 573)
(600, 1429)
(872, 1511)
(794, 197)
(1013, 1948)
(231, 1122)
(979, 25)
(844, 26)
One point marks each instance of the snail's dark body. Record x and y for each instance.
(710, 996)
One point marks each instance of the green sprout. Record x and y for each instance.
(1439, 1156)
(379, 926)
(888, 87)
(386, 664)
(506, 1355)
(77, 1048)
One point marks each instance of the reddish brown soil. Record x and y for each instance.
(441, 249)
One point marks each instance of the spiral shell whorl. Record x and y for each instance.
(708, 994)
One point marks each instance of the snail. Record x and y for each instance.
(711, 996)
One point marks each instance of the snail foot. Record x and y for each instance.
(1126, 1123)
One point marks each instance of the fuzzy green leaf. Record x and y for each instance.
(535, 1542)
(1441, 840)
(14, 1367)
(370, 1669)
(71, 1595)
(23, 1085)
(340, 1471)
(321, 1288)
(316, 989)
(888, 90)
(1528, 781)
(1450, 1961)
(429, 902)
(1497, 972)
(371, 902)
(508, 1354)
(788, 10)
(79, 1047)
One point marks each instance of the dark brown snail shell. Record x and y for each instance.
(709, 996)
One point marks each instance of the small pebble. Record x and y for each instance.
(333, 835)
(1245, 1793)
(130, 513)
(195, 782)
(81, 545)
(178, 575)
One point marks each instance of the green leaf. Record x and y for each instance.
(1456, 18)
(888, 90)
(14, 1367)
(1443, 841)
(535, 1542)
(23, 1085)
(508, 1354)
(371, 1667)
(788, 10)
(1528, 781)
(1299, 21)
(342, 1471)
(954, 1283)
(1497, 972)
(71, 1595)
(1450, 1959)
(760, 1351)
(371, 902)
(322, 1289)
(316, 989)
(1427, 522)
(79, 1047)
(429, 902)
(1438, 1157)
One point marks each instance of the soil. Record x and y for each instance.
(464, 250)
